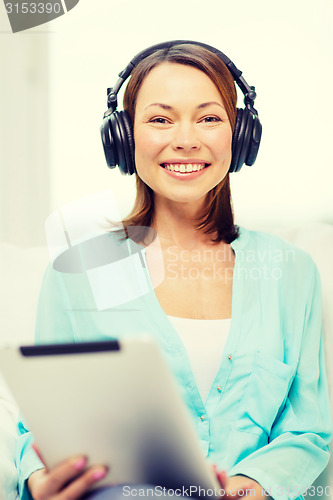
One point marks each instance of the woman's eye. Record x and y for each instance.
(158, 120)
(211, 119)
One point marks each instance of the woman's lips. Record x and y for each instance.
(185, 170)
(184, 167)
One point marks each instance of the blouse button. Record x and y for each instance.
(219, 388)
(229, 357)
(202, 417)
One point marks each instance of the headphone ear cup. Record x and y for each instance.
(255, 142)
(108, 143)
(246, 139)
(118, 142)
(245, 136)
(236, 145)
(126, 129)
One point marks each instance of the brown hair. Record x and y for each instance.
(218, 217)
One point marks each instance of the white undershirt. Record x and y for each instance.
(204, 341)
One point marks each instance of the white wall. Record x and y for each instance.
(24, 134)
(284, 48)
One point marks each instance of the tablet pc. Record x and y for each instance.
(115, 402)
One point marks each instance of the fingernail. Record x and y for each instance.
(80, 463)
(36, 449)
(99, 474)
(246, 487)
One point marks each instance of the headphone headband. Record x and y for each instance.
(248, 91)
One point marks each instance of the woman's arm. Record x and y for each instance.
(8, 418)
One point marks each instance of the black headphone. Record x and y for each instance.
(117, 129)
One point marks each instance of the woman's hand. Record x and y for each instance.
(69, 480)
(236, 487)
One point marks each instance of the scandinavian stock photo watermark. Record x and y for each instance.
(24, 15)
(189, 491)
(199, 492)
(218, 264)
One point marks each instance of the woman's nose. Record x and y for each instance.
(185, 137)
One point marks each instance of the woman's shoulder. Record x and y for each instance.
(270, 248)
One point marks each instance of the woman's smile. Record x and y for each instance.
(185, 169)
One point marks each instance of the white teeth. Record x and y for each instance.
(184, 168)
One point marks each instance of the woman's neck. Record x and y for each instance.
(175, 224)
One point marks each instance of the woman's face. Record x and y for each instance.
(182, 133)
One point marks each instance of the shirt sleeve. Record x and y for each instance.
(298, 451)
(53, 325)
(26, 459)
(8, 437)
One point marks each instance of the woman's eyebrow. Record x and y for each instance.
(160, 104)
(205, 104)
(200, 106)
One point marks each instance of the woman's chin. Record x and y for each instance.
(197, 199)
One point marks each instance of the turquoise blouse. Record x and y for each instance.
(267, 415)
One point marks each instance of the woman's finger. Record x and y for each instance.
(48, 483)
(36, 450)
(240, 492)
(221, 476)
(83, 483)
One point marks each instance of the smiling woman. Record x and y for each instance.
(239, 327)
(181, 138)
(197, 126)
